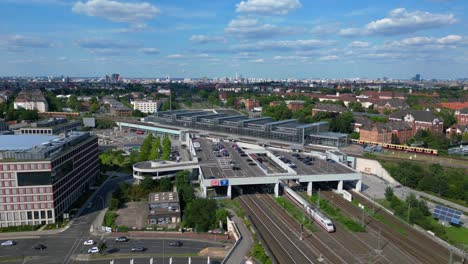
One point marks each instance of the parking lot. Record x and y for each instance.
(227, 160)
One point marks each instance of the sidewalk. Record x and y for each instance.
(243, 248)
(32, 234)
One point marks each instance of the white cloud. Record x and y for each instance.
(400, 21)
(268, 7)
(284, 45)
(98, 43)
(329, 58)
(359, 44)
(174, 56)
(427, 42)
(257, 61)
(150, 50)
(203, 39)
(20, 43)
(252, 28)
(134, 13)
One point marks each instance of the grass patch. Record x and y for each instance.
(232, 204)
(336, 214)
(386, 222)
(57, 225)
(296, 213)
(457, 235)
(259, 253)
(109, 219)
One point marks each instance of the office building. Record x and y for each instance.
(41, 176)
(164, 209)
(146, 106)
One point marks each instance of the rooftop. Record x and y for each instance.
(162, 197)
(23, 142)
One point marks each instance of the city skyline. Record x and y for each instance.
(256, 38)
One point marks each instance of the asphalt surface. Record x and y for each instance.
(65, 246)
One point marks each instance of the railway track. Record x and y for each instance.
(422, 249)
(285, 248)
(314, 241)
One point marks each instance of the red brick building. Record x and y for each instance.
(418, 119)
(329, 108)
(456, 130)
(295, 105)
(462, 116)
(382, 132)
(390, 104)
(250, 103)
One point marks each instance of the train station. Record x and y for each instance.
(226, 161)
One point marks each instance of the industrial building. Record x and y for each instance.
(41, 176)
(51, 126)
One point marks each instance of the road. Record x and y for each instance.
(62, 248)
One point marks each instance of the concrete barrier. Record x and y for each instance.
(373, 167)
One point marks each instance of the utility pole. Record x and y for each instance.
(451, 257)
(318, 199)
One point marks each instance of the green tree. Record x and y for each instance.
(73, 103)
(165, 185)
(221, 216)
(200, 214)
(342, 123)
(166, 145)
(279, 112)
(356, 107)
(389, 193)
(147, 184)
(448, 117)
(156, 149)
(114, 204)
(145, 148)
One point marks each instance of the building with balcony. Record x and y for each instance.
(146, 106)
(31, 100)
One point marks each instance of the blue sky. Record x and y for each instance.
(258, 38)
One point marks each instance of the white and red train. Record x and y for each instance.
(311, 211)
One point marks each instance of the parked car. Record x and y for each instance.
(175, 244)
(138, 249)
(39, 247)
(89, 242)
(93, 250)
(121, 239)
(8, 243)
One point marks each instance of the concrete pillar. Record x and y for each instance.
(229, 191)
(309, 188)
(276, 189)
(358, 185)
(204, 192)
(340, 186)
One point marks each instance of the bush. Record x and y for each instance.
(259, 253)
(109, 219)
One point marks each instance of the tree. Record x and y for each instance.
(201, 214)
(221, 217)
(114, 204)
(166, 148)
(147, 184)
(165, 185)
(73, 103)
(279, 112)
(94, 105)
(448, 117)
(145, 148)
(155, 149)
(395, 139)
(342, 123)
(356, 107)
(389, 193)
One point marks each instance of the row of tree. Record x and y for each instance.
(414, 211)
(444, 181)
(151, 149)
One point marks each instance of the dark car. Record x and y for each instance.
(39, 247)
(175, 244)
(252, 164)
(121, 239)
(138, 249)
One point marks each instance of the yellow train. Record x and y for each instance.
(397, 147)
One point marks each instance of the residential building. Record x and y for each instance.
(41, 176)
(330, 108)
(164, 209)
(121, 111)
(51, 126)
(250, 104)
(419, 119)
(295, 105)
(457, 106)
(146, 106)
(382, 105)
(395, 132)
(456, 130)
(462, 116)
(31, 100)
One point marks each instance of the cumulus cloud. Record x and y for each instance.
(150, 50)
(257, 61)
(400, 21)
(359, 44)
(252, 28)
(175, 56)
(268, 7)
(134, 13)
(105, 44)
(283, 45)
(19, 43)
(203, 39)
(329, 58)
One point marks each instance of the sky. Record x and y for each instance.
(215, 38)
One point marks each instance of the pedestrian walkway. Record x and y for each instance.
(243, 248)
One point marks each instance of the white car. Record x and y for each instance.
(8, 243)
(89, 242)
(93, 250)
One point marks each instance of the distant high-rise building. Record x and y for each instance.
(417, 78)
(115, 77)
